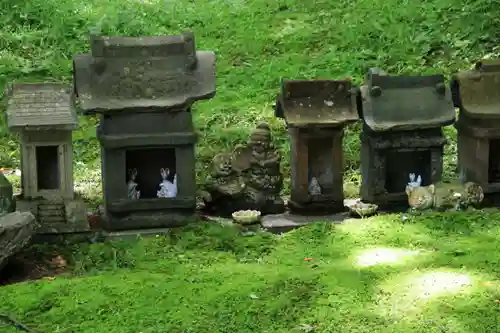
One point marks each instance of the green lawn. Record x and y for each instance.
(432, 273)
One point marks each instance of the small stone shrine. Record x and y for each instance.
(316, 113)
(143, 89)
(44, 117)
(402, 134)
(249, 178)
(477, 94)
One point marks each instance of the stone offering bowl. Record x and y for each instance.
(246, 217)
(362, 209)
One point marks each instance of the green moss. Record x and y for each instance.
(372, 275)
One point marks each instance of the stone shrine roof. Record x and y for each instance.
(142, 73)
(40, 106)
(477, 91)
(406, 102)
(323, 103)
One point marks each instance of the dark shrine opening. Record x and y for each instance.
(400, 164)
(148, 163)
(320, 161)
(494, 162)
(47, 167)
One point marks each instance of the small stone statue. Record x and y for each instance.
(445, 196)
(249, 178)
(132, 186)
(263, 177)
(167, 189)
(225, 186)
(314, 187)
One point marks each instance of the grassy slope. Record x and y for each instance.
(376, 275)
(257, 43)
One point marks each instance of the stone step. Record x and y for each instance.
(281, 223)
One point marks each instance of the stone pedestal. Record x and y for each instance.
(54, 217)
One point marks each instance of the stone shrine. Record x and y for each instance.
(316, 113)
(249, 178)
(402, 134)
(143, 90)
(477, 95)
(44, 116)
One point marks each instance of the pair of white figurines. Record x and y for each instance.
(414, 182)
(167, 189)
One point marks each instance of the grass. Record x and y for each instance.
(257, 42)
(432, 273)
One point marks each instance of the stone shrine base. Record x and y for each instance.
(491, 199)
(57, 217)
(319, 208)
(281, 223)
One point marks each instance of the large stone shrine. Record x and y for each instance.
(143, 90)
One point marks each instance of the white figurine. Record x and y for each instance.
(133, 192)
(413, 182)
(167, 189)
(314, 187)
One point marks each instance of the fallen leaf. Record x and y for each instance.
(308, 259)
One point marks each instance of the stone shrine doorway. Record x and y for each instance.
(148, 162)
(399, 165)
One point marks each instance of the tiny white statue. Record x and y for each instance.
(133, 192)
(167, 189)
(414, 182)
(314, 187)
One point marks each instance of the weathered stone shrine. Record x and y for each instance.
(44, 117)
(402, 134)
(477, 94)
(143, 89)
(316, 113)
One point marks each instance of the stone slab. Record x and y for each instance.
(281, 223)
(16, 230)
(132, 234)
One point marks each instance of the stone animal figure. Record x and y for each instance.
(420, 197)
(167, 189)
(133, 192)
(445, 196)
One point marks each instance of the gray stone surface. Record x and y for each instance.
(16, 230)
(285, 222)
(132, 234)
(71, 218)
